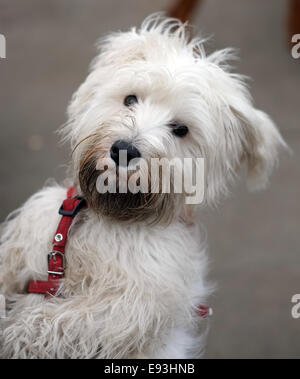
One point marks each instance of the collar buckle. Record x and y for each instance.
(52, 255)
(79, 204)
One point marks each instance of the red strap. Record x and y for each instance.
(56, 265)
(204, 311)
(71, 191)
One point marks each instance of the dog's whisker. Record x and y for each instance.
(81, 141)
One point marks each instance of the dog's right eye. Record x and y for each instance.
(179, 130)
(130, 100)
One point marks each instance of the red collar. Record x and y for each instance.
(56, 258)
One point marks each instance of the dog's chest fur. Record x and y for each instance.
(128, 288)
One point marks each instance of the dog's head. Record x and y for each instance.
(153, 93)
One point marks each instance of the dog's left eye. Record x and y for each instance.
(179, 130)
(130, 100)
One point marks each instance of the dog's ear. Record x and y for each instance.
(244, 136)
(261, 142)
(250, 136)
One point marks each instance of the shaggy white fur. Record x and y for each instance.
(131, 288)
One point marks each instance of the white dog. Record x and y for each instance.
(136, 269)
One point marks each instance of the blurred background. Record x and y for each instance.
(254, 239)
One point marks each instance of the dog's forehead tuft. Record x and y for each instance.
(159, 38)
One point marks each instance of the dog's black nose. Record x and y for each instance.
(127, 147)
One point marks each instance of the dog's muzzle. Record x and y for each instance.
(122, 206)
